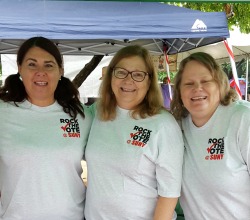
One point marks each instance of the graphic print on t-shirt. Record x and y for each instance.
(139, 136)
(70, 128)
(215, 149)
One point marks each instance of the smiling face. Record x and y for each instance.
(40, 74)
(199, 92)
(128, 92)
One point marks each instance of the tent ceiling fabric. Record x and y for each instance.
(240, 46)
(219, 52)
(96, 27)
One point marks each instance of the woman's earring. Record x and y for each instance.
(20, 78)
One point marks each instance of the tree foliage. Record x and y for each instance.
(241, 67)
(238, 13)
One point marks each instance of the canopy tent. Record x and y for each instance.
(92, 28)
(96, 27)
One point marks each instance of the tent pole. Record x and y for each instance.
(246, 92)
(168, 74)
(234, 70)
(1, 71)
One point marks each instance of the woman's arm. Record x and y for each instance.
(165, 208)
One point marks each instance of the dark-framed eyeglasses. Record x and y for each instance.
(122, 73)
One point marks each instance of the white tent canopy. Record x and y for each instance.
(240, 45)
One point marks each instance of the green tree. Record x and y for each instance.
(238, 13)
(162, 75)
(241, 67)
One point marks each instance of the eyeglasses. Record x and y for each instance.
(137, 76)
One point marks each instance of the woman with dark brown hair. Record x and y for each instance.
(45, 130)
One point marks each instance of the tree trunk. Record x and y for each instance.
(87, 69)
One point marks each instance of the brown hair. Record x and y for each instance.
(66, 93)
(152, 103)
(227, 94)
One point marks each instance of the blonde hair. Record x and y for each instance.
(227, 94)
(152, 102)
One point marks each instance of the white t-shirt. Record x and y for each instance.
(40, 162)
(130, 163)
(216, 170)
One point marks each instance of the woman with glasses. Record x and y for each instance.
(135, 149)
